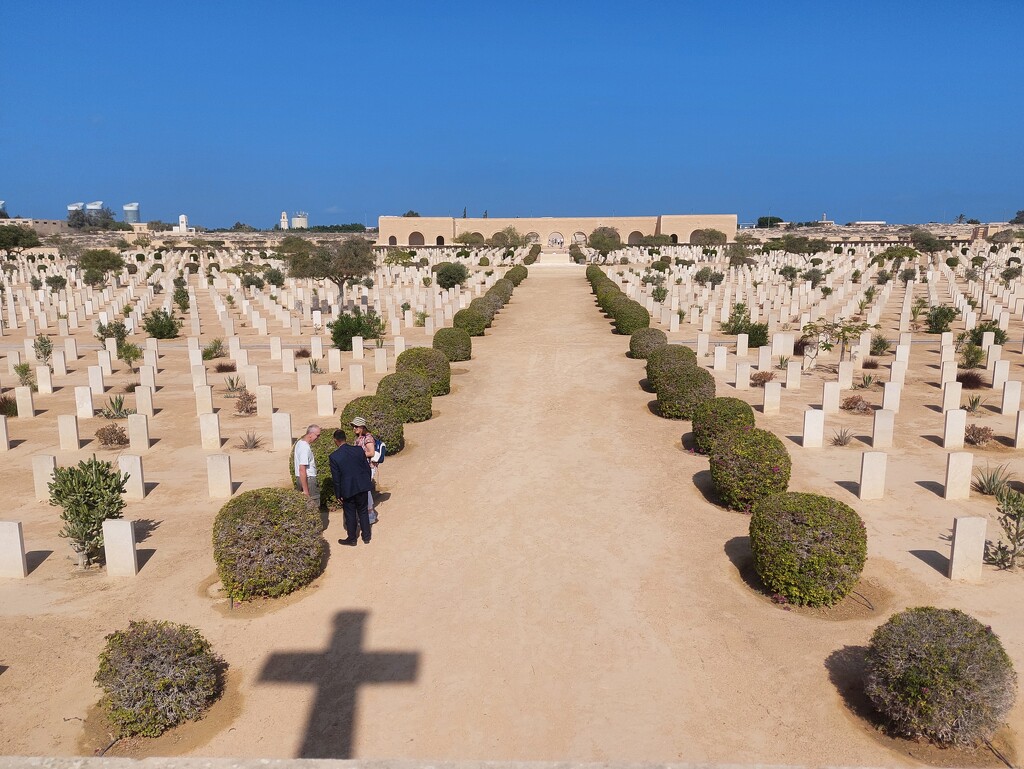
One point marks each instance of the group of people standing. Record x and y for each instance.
(353, 471)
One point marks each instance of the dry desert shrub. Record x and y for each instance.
(856, 404)
(760, 378)
(977, 435)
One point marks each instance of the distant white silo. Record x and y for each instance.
(95, 207)
(76, 206)
(131, 213)
(300, 220)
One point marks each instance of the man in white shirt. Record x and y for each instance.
(305, 466)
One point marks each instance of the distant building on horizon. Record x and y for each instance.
(182, 228)
(131, 213)
(300, 221)
(94, 208)
(283, 224)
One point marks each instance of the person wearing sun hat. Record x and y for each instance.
(366, 441)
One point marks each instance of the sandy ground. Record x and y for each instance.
(547, 580)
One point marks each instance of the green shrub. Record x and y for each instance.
(481, 306)
(274, 277)
(252, 281)
(977, 334)
(455, 343)
(160, 324)
(470, 321)
(879, 345)
(268, 543)
(517, 274)
(484, 262)
(88, 494)
(748, 465)
(382, 419)
(450, 275)
(410, 392)
(349, 325)
(680, 395)
(215, 349)
(940, 674)
(807, 548)
(668, 362)
(757, 335)
(504, 288)
(431, 363)
(644, 341)
(157, 675)
(717, 417)
(939, 318)
(631, 316)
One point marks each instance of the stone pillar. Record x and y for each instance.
(144, 400)
(119, 548)
(147, 376)
(1011, 398)
(380, 360)
(264, 401)
(305, 378)
(204, 399)
(742, 340)
(288, 360)
(891, 396)
(96, 380)
(218, 473)
(967, 552)
(948, 369)
(772, 398)
(742, 380)
(324, 400)
(959, 467)
(846, 375)
(281, 425)
(357, 348)
(199, 376)
(83, 403)
(355, 377)
(43, 466)
(12, 551)
(719, 361)
(138, 432)
(334, 361)
(702, 344)
(131, 465)
(67, 432)
(951, 392)
(882, 429)
(209, 431)
(814, 428)
(26, 403)
(830, 397)
(44, 379)
(953, 431)
(872, 475)
(764, 358)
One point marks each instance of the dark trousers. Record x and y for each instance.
(357, 516)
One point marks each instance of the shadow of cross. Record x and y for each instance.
(337, 672)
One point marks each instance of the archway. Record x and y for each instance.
(416, 239)
(675, 238)
(532, 237)
(440, 240)
(392, 241)
(555, 239)
(634, 238)
(580, 238)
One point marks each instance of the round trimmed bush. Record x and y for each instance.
(517, 274)
(748, 465)
(644, 341)
(631, 316)
(455, 343)
(484, 262)
(807, 547)
(450, 275)
(717, 417)
(482, 307)
(268, 542)
(470, 321)
(433, 364)
(668, 362)
(382, 420)
(157, 675)
(410, 392)
(504, 288)
(940, 674)
(679, 396)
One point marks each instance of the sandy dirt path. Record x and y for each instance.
(546, 556)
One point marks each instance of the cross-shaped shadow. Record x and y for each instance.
(337, 672)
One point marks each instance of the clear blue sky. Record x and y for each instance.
(905, 111)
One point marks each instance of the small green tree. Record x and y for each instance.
(825, 335)
(88, 494)
(115, 329)
(708, 237)
(43, 348)
(130, 354)
(927, 243)
(15, 238)
(452, 274)
(56, 282)
(103, 260)
(160, 324)
(1005, 555)
(604, 240)
(765, 222)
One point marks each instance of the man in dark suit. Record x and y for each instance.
(351, 475)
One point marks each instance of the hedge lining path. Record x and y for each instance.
(547, 554)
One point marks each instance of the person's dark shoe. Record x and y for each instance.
(351, 541)
(366, 541)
